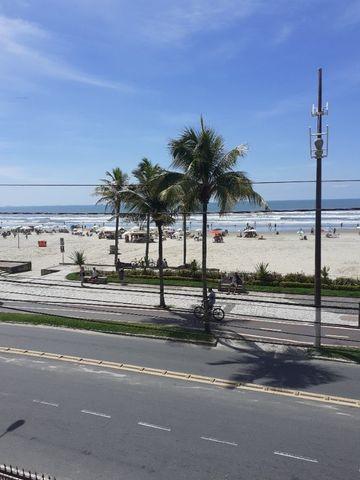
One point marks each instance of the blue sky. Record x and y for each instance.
(87, 85)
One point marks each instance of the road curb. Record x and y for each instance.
(219, 382)
(330, 359)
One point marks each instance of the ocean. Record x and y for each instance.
(288, 215)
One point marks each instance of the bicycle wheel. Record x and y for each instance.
(199, 311)
(218, 314)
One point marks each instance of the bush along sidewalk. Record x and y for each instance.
(262, 279)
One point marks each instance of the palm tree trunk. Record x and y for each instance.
(117, 213)
(161, 269)
(147, 240)
(184, 239)
(204, 269)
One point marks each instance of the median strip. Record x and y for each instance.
(165, 332)
(218, 382)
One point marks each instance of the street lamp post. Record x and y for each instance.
(318, 151)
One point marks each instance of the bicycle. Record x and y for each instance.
(217, 312)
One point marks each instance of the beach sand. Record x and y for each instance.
(285, 253)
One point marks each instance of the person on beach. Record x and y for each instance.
(82, 275)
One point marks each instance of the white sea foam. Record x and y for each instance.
(286, 220)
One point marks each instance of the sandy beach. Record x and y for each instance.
(285, 253)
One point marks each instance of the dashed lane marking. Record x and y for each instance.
(157, 427)
(336, 336)
(209, 439)
(271, 329)
(97, 414)
(297, 457)
(50, 404)
(344, 414)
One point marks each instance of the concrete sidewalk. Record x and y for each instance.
(254, 304)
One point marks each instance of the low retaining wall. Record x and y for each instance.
(14, 267)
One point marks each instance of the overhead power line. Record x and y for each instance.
(255, 182)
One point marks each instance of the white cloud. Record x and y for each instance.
(19, 41)
(171, 22)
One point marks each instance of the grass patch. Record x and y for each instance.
(174, 332)
(346, 353)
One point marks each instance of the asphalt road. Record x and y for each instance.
(79, 422)
(234, 326)
(245, 363)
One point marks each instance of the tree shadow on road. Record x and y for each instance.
(288, 369)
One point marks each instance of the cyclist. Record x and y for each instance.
(211, 299)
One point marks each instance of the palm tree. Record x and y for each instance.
(150, 201)
(78, 257)
(208, 170)
(111, 194)
(145, 173)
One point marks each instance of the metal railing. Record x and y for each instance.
(8, 472)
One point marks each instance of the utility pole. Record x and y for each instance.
(318, 151)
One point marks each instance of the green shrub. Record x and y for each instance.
(299, 277)
(297, 284)
(262, 272)
(342, 281)
(325, 274)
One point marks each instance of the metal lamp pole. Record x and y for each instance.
(318, 151)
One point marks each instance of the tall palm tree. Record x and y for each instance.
(150, 201)
(111, 194)
(145, 173)
(208, 170)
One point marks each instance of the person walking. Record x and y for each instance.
(82, 275)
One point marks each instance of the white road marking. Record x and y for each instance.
(330, 407)
(111, 374)
(297, 457)
(344, 414)
(46, 403)
(219, 441)
(336, 336)
(271, 329)
(97, 414)
(150, 425)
